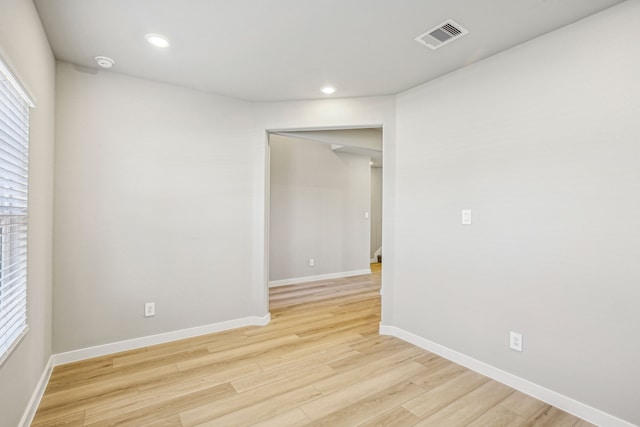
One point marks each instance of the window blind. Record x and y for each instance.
(14, 166)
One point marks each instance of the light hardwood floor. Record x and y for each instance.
(319, 362)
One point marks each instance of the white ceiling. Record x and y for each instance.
(268, 50)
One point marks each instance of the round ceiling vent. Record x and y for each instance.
(104, 61)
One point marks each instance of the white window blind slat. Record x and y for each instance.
(15, 289)
(13, 93)
(19, 160)
(14, 328)
(5, 188)
(15, 258)
(12, 182)
(14, 194)
(13, 124)
(18, 177)
(21, 94)
(8, 104)
(13, 146)
(15, 116)
(9, 140)
(16, 314)
(15, 230)
(13, 303)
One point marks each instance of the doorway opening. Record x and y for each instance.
(323, 204)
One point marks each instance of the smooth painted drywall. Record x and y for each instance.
(154, 199)
(161, 196)
(376, 211)
(24, 46)
(542, 142)
(317, 206)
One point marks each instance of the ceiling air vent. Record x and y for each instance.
(442, 34)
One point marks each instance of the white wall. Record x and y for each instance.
(24, 46)
(154, 199)
(376, 211)
(160, 196)
(318, 199)
(542, 143)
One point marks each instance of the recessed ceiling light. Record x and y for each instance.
(328, 90)
(158, 40)
(104, 61)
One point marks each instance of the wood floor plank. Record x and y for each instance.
(397, 417)
(52, 409)
(174, 385)
(311, 347)
(292, 418)
(497, 416)
(368, 408)
(361, 390)
(108, 384)
(316, 358)
(320, 361)
(549, 416)
(365, 370)
(219, 408)
(470, 406)
(265, 409)
(65, 419)
(269, 376)
(171, 421)
(523, 405)
(439, 397)
(439, 371)
(147, 408)
(244, 351)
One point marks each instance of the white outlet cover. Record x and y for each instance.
(149, 309)
(466, 216)
(515, 341)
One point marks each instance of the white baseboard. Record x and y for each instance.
(306, 279)
(36, 397)
(373, 261)
(567, 404)
(116, 347)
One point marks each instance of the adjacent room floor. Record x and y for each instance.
(320, 361)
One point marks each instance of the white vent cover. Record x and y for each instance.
(442, 34)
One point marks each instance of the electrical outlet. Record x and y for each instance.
(312, 262)
(466, 217)
(149, 309)
(515, 341)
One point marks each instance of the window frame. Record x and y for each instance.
(15, 118)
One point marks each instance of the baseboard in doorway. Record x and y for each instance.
(307, 279)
